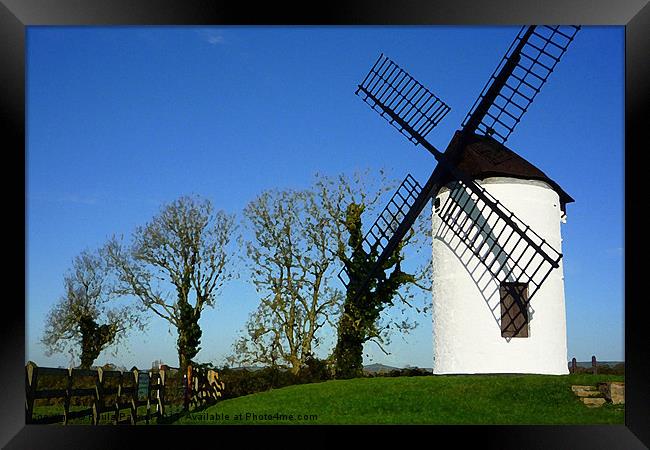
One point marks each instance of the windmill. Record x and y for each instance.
(486, 247)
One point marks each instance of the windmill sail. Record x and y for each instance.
(401, 99)
(518, 78)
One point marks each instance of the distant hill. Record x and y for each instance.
(600, 363)
(383, 368)
(371, 368)
(378, 368)
(249, 368)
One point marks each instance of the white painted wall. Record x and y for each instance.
(466, 305)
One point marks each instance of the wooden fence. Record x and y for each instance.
(125, 397)
(596, 367)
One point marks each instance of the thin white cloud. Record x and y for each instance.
(216, 39)
(78, 199)
(65, 198)
(616, 251)
(212, 37)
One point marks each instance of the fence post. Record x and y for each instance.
(68, 394)
(216, 389)
(574, 365)
(31, 381)
(135, 396)
(98, 403)
(197, 388)
(161, 392)
(210, 385)
(118, 396)
(594, 365)
(217, 386)
(148, 416)
(188, 388)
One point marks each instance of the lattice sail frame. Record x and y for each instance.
(386, 223)
(390, 85)
(539, 55)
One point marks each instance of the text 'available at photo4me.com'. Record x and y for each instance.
(251, 416)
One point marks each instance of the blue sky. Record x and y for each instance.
(123, 119)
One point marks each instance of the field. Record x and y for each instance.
(465, 399)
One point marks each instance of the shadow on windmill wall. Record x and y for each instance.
(485, 253)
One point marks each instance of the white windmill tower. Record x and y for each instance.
(478, 325)
(498, 292)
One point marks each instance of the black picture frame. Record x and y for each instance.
(16, 15)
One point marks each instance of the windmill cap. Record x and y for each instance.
(482, 157)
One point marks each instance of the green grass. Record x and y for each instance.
(465, 399)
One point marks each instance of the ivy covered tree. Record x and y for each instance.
(359, 321)
(87, 320)
(389, 304)
(176, 264)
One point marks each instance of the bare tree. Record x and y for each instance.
(176, 265)
(291, 265)
(82, 321)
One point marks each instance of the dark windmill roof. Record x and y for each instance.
(483, 157)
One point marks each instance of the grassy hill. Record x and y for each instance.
(465, 399)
